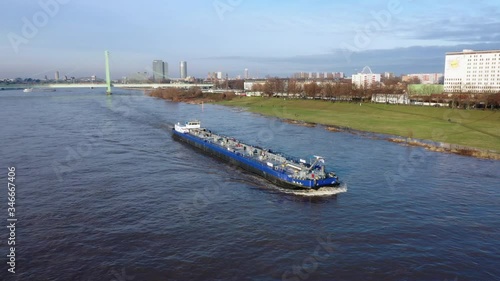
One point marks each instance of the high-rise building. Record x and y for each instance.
(366, 78)
(56, 76)
(158, 71)
(472, 71)
(246, 74)
(183, 69)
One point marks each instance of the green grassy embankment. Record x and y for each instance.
(471, 128)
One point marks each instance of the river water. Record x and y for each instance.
(103, 192)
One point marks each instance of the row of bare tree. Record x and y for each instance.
(346, 91)
(326, 89)
(191, 94)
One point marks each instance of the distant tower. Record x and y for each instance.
(183, 69)
(246, 73)
(158, 70)
(57, 76)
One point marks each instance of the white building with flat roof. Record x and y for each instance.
(472, 71)
(366, 78)
(391, 98)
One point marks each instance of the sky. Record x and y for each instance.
(276, 38)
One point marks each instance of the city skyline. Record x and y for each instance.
(41, 37)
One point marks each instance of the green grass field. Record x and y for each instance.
(473, 128)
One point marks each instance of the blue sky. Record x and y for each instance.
(268, 37)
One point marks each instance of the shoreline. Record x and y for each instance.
(430, 145)
(427, 144)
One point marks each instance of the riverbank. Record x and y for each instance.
(467, 132)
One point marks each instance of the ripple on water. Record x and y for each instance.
(141, 205)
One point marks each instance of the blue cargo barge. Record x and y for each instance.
(274, 167)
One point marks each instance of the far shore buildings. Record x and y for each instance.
(424, 78)
(319, 75)
(472, 71)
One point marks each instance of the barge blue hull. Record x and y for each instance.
(275, 176)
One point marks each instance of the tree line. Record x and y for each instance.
(342, 90)
(337, 90)
(192, 94)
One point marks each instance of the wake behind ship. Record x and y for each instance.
(274, 167)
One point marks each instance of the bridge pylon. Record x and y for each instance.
(108, 75)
